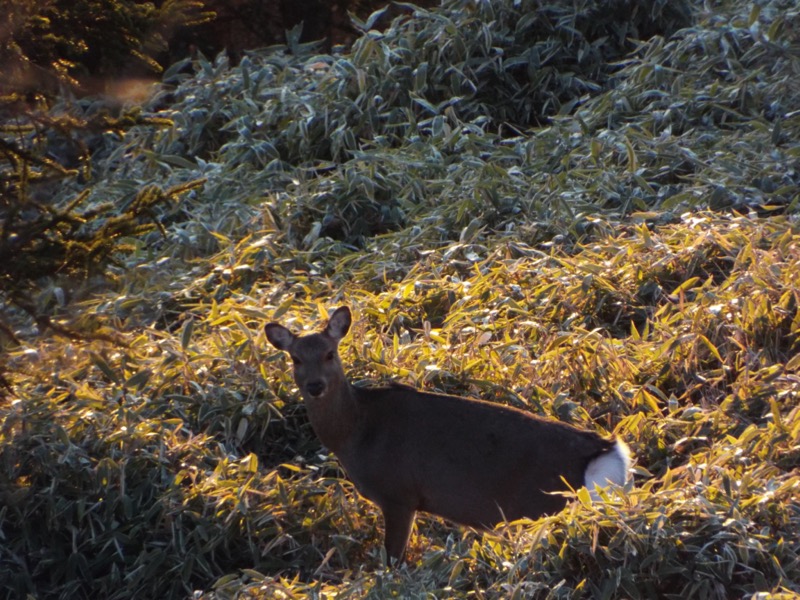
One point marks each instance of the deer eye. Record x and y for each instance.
(296, 361)
(329, 356)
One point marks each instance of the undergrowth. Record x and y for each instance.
(626, 260)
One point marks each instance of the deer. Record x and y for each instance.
(473, 462)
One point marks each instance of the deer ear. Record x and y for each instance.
(339, 323)
(279, 336)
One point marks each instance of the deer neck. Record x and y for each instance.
(334, 416)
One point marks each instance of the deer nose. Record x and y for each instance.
(315, 388)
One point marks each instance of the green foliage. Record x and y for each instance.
(53, 228)
(510, 63)
(703, 386)
(629, 266)
(54, 231)
(339, 144)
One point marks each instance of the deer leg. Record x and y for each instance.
(398, 520)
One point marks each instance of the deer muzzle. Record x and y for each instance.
(315, 388)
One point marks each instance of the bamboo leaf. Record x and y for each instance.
(186, 333)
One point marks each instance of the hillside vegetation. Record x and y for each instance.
(520, 202)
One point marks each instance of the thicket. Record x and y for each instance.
(520, 204)
(57, 236)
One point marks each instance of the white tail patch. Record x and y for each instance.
(611, 467)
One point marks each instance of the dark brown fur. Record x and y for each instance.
(470, 461)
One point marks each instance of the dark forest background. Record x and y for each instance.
(87, 43)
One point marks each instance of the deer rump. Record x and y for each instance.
(472, 462)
